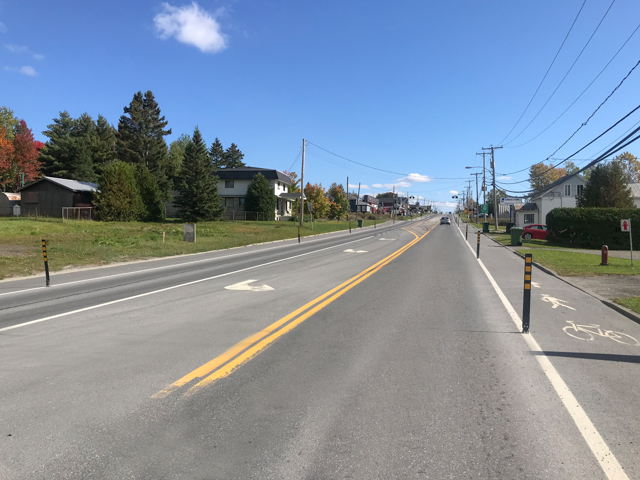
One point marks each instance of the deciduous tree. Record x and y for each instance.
(339, 204)
(541, 175)
(607, 187)
(316, 194)
(9, 122)
(631, 166)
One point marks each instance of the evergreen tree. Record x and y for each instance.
(140, 138)
(217, 155)
(260, 198)
(150, 195)
(57, 154)
(607, 187)
(199, 198)
(233, 157)
(118, 198)
(104, 145)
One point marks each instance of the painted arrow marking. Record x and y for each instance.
(556, 302)
(535, 284)
(245, 286)
(351, 250)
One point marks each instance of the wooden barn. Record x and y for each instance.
(47, 196)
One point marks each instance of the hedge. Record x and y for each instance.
(593, 227)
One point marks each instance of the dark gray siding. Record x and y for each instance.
(45, 199)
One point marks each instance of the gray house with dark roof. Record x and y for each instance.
(47, 196)
(233, 184)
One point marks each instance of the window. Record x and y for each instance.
(228, 202)
(579, 190)
(228, 184)
(567, 190)
(241, 201)
(528, 218)
(30, 197)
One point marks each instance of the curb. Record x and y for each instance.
(630, 314)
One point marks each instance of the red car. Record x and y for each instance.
(538, 232)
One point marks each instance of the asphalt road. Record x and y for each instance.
(387, 353)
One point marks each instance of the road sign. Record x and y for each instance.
(484, 208)
(510, 200)
(625, 225)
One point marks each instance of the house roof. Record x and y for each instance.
(529, 206)
(73, 185)
(247, 173)
(635, 189)
(558, 182)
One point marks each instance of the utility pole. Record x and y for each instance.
(393, 211)
(477, 196)
(469, 195)
(484, 179)
(493, 167)
(348, 199)
(302, 184)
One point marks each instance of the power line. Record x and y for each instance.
(545, 75)
(569, 157)
(357, 163)
(565, 75)
(583, 92)
(295, 160)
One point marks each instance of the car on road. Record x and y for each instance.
(445, 221)
(537, 231)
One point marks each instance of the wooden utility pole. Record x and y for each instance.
(302, 184)
(495, 198)
(477, 196)
(484, 179)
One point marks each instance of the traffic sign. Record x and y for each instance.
(484, 208)
(625, 225)
(510, 200)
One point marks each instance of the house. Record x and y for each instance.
(635, 193)
(373, 201)
(233, 184)
(355, 204)
(49, 195)
(560, 194)
(8, 201)
(389, 204)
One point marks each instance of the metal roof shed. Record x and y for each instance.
(48, 195)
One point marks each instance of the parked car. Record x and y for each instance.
(536, 231)
(445, 221)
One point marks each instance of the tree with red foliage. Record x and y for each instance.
(23, 160)
(6, 157)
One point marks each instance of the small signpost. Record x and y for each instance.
(625, 226)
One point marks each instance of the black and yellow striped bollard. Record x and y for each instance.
(478, 252)
(46, 262)
(526, 304)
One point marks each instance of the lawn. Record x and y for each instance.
(632, 303)
(569, 263)
(78, 243)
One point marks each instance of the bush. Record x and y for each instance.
(593, 227)
(118, 197)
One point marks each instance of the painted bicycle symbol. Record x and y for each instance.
(587, 332)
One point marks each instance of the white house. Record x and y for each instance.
(233, 184)
(560, 194)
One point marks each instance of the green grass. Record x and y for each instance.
(78, 243)
(632, 303)
(569, 263)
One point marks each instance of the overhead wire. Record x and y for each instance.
(587, 88)
(565, 75)
(545, 75)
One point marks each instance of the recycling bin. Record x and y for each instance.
(485, 227)
(516, 234)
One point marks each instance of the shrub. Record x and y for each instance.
(593, 227)
(118, 197)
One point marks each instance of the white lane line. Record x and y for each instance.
(607, 460)
(162, 267)
(93, 307)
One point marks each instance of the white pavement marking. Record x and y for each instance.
(351, 250)
(605, 457)
(253, 288)
(387, 239)
(535, 284)
(52, 317)
(556, 302)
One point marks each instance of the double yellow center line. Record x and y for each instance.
(243, 351)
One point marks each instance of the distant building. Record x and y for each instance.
(47, 196)
(7, 203)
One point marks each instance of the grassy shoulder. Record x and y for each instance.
(568, 263)
(81, 243)
(632, 303)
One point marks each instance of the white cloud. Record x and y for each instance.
(3, 28)
(362, 186)
(452, 192)
(18, 49)
(415, 178)
(505, 177)
(390, 186)
(26, 70)
(191, 25)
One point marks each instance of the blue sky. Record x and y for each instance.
(412, 87)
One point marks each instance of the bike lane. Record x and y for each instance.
(601, 373)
